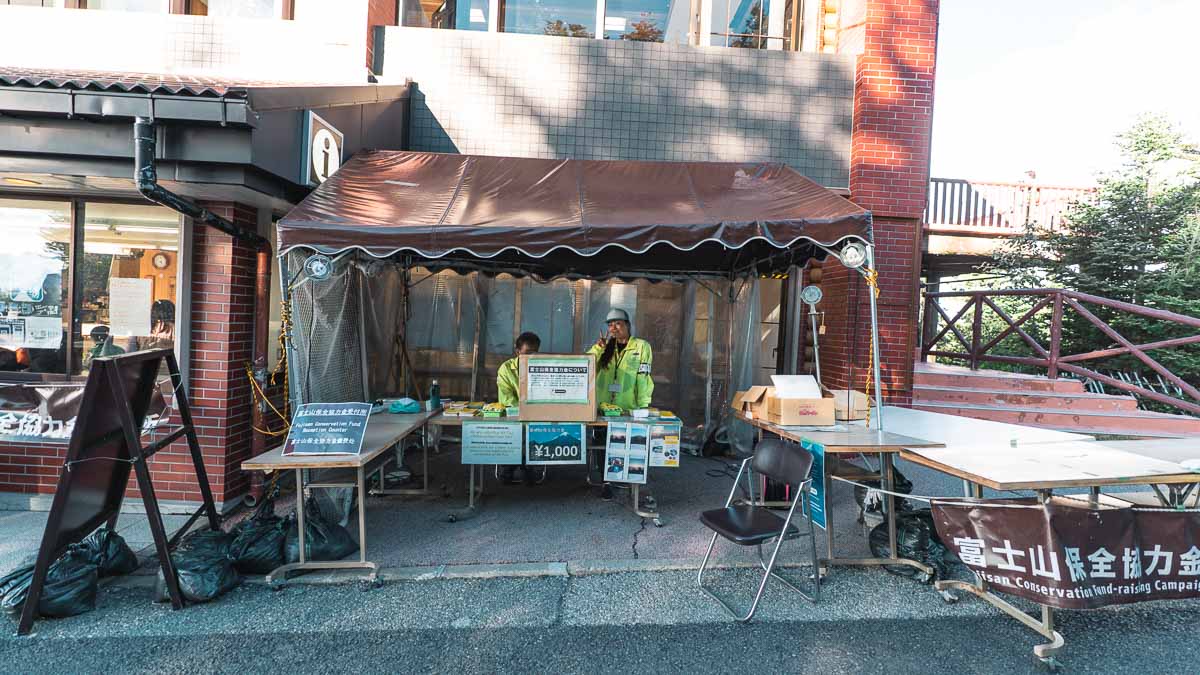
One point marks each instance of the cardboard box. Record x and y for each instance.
(849, 404)
(809, 412)
(798, 400)
(560, 388)
(753, 401)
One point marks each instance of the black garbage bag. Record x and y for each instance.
(205, 569)
(110, 553)
(324, 539)
(916, 539)
(257, 546)
(70, 587)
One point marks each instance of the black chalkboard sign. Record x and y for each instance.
(105, 445)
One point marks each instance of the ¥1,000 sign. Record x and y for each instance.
(555, 443)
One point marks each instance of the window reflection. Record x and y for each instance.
(563, 18)
(247, 9)
(160, 6)
(641, 20)
(33, 303)
(456, 14)
(127, 280)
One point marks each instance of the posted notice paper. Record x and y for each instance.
(664, 444)
(492, 442)
(557, 380)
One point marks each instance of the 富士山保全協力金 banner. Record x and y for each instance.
(1066, 555)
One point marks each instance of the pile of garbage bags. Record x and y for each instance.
(72, 580)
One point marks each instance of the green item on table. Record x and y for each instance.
(405, 406)
(513, 411)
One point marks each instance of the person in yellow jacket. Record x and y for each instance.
(507, 382)
(622, 365)
(622, 372)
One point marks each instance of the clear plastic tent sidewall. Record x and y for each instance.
(383, 327)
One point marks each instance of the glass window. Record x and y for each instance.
(565, 18)
(162, 6)
(639, 20)
(246, 9)
(33, 304)
(457, 14)
(32, 3)
(127, 279)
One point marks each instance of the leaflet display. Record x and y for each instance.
(628, 448)
(664, 444)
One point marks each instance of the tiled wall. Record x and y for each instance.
(536, 96)
(325, 44)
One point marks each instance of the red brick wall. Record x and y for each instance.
(222, 329)
(379, 13)
(889, 173)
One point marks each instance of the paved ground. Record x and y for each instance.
(636, 621)
(584, 586)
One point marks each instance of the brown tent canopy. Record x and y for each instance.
(551, 217)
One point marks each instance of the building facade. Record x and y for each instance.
(841, 91)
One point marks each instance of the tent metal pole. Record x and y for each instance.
(875, 344)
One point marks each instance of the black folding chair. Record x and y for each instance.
(751, 525)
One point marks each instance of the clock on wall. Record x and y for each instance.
(160, 261)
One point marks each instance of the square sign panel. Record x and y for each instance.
(322, 155)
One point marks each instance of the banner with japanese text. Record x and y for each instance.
(1068, 555)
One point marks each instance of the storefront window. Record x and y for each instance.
(639, 20)
(564, 18)
(456, 14)
(162, 6)
(245, 9)
(127, 280)
(33, 304)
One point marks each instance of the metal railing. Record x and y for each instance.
(983, 207)
(939, 323)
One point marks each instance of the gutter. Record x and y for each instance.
(146, 177)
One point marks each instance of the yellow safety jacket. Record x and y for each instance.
(629, 371)
(507, 381)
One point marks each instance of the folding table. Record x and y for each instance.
(384, 430)
(1044, 468)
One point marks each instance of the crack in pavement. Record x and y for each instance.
(641, 529)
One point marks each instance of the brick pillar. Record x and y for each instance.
(896, 43)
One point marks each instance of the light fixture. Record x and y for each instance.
(811, 295)
(853, 255)
(25, 182)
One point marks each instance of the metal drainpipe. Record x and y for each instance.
(146, 176)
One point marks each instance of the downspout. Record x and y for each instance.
(146, 176)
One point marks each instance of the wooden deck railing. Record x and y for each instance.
(1050, 357)
(997, 208)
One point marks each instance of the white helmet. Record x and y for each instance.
(617, 314)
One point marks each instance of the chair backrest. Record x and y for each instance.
(785, 462)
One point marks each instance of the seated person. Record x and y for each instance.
(507, 381)
(103, 345)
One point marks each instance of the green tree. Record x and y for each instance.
(645, 30)
(1138, 241)
(561, 29)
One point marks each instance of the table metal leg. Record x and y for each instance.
(635, 495)
(280, 574)
(474, 499)
(1044, 627)
(424, 489)
(894, 559)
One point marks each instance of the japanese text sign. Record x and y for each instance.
(1067, 555)
(328, 429)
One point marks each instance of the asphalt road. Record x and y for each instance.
(629, 622)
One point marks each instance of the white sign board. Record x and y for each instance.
(558, 380)
(129, 302)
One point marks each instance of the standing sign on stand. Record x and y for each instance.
(664, 444)
(555, 443)
(328, 429)
(628, 453)
(816, 495)
(492, 442)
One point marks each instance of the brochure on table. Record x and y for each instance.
(664, 444)
(327, 429)
(628, 446)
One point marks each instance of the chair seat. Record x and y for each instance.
(745, 525)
